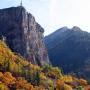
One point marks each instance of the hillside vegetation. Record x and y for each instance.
(16, 73)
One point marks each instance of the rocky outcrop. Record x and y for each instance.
(23, 34)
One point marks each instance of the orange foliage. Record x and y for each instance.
(8, 79)
(87, 87)
(83, 82)
(59, 84)
(19, 83)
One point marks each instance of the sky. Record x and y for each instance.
(54, 14)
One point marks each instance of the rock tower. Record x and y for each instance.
(23, 34)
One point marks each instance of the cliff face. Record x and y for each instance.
(23, 34)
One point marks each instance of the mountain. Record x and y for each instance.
(23, 34)
(16, 73)
(22, 50)
(70, 49)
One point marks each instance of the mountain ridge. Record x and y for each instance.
(69, 49)
(23, 38)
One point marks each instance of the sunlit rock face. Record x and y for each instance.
(23, 34)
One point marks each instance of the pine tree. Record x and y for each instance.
(37, 78)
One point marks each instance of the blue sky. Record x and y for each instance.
(54, 14)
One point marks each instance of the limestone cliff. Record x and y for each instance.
(23, 34)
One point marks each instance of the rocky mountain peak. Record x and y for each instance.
(23, 34)
(76, 28)
(70, 50)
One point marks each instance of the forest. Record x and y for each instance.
(16, 73)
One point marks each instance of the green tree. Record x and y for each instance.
(37, 78)
(80, 88)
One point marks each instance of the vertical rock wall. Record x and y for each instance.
(23, 34)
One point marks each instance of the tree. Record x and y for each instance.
(37, 78)
(80, 88)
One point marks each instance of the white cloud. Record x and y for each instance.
(70, 13)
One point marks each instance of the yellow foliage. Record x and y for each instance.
(67, 87)
(67, 78)
(48, 78)
(54, 72)
(3, 87)
(42, 76)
